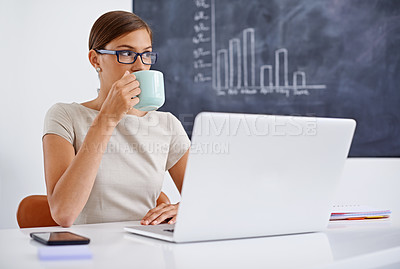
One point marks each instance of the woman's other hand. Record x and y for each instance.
(161, 213)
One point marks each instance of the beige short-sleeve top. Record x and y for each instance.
(131, 173)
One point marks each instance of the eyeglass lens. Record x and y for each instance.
(129, 57)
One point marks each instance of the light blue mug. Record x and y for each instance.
(152, 95)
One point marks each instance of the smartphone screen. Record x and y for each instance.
(60, 238)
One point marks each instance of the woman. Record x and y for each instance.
(104, 160)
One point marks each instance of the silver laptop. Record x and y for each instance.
(254, 175)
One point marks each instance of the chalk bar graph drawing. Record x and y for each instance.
(286, 57)
(270, 81)
(230, 66)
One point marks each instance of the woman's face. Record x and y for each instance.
(111, 70)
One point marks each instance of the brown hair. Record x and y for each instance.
(112, 25)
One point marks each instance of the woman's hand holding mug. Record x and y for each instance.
(121, 98)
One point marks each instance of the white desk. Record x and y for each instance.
(357, 244)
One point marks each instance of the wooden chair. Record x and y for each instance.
(34, 211)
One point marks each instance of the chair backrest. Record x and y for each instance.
(34, 211)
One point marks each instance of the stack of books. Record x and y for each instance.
(358, 212)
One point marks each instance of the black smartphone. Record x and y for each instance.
(60, 238)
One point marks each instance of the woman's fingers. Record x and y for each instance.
(173, 220)
(134, 101)
(126, 84)
(160, 214)
(127, 89)
(131, 86)
(131, 89)
(126, 79)
(151, 215)
(121, 97)
(165, 215)
(135, 92)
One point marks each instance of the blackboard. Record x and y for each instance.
(285, 57)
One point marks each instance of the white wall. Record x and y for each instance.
(43, 60)
(371, 182)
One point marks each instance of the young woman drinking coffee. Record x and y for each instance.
(105, 160)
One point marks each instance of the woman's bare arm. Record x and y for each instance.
(70, 178)
(177, 172)
(163, 199)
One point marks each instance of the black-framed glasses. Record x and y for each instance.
(129, 57)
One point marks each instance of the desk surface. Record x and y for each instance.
(344, 244)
